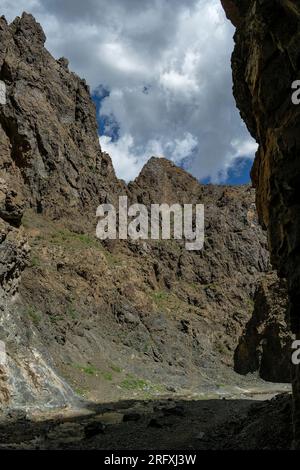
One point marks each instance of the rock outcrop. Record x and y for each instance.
(265, 63)
(50, 153)
(265, 345)
(172, 316)
(50, 161)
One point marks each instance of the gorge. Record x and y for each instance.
(117, 343)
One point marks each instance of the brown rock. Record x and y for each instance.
(50, 146)
(265, 345)
(265, 62)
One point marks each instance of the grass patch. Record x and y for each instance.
(53, 234)
(35, 261)
(131, 383)
(93, 371)
(27, 220)
(56, 318)
(116, 369)
(65, 236)
(250, 304)
(146, 347)
(111, 259)
(211, 286)
(107, 376)
(72, 312)
(168, 301)
(89, 369)
(80, 391)
(161, 297)
(34, 315)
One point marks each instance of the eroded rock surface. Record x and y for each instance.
(50, 152)
(265, 345)
(265, 63)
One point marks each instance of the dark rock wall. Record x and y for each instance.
(265, 345)
(265, 62)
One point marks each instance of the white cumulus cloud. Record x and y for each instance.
(166, 64)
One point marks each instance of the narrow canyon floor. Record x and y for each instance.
(232, 418)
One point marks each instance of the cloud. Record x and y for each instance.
(166, 64)
(244, 147)
(128, 158)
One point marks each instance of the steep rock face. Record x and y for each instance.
(50, 161)
(235, 247)
(26, 375)
(50, 149)
(170, 315)
(14, 251)
(14, 248)
(265, 345)
(265, 62)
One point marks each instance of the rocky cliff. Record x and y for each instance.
(51, 162)
(266, 342)
(265, 63)
(49, 142)
(110, 319)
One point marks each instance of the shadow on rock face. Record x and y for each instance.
(265, 345)
(163, 424)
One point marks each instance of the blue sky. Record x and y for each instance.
(160, 74)
(237, 173)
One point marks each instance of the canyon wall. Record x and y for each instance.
(106, 317)
(265, 62)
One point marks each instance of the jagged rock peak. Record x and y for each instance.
(165, 182)
(28, 28)
(49, 139)
(159, 166)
